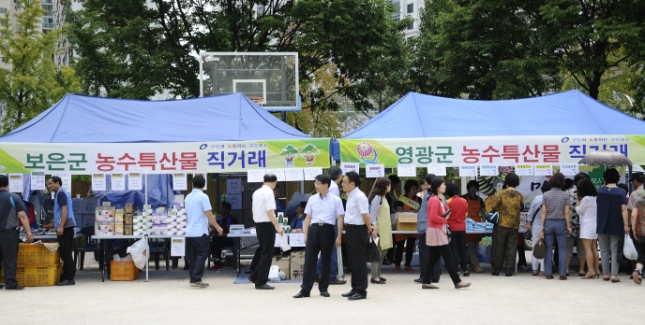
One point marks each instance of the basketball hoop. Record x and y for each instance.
(257, 99)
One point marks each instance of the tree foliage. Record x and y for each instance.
(135, 48)
(32, 83)
(510, 48)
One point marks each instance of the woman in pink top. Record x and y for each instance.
(437, 237)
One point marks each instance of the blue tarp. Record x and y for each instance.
(424, 116)
(83, 119)
(159, 193)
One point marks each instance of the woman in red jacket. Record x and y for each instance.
(457, 224)
(437, 237)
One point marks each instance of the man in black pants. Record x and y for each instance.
(198, 208)
(12, 212)
(359, 227)
(323, 211)
(64, 223)
(266, 226)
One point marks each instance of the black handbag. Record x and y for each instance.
(373, 251)
(528, 235)
(492, 217)
(539, 249)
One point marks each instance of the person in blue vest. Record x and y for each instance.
(64, 223)
(224, 220)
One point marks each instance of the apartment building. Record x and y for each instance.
(409, 8)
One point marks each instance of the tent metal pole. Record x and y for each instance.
(146, 202)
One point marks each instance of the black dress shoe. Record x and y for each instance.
(419, 280)
(509, 273)
(248, 271)
(357, 296)
(337, 281)
(1, 286)
(325, 294)
(377, 282)
(15, 288)
(302, 294)
(384, 279)
(264, 287)
(495, 273)
(349, 294)
(65, 283)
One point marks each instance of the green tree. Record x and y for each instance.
(135, 48)
(32, 83)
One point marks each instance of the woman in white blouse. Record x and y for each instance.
(586, 208)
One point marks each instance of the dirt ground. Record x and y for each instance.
(168, 299)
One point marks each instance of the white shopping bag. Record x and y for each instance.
(139, 251)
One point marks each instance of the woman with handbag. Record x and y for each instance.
(534, 225)
(556, 223)
(380, 212)
(437, 237)
(587, 210)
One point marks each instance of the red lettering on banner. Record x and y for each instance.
(470, 155)
(105, 163)
(123, 161)
(188, 161)
(492, 155)
(165, 159)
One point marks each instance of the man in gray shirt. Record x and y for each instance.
(12, 212)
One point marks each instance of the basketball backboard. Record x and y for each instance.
(268, 79)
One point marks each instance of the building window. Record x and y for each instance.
(3, 10)
(411, 26)
(411, 8)
(396, 17)
(48, 23)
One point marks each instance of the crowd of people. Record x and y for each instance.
(570, 213)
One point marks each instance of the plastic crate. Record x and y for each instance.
(39, 276)
(123, 271)
(31, 255)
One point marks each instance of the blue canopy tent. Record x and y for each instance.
(424, 116)
(83, 119)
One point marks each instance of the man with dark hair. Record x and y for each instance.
(324, 211)
(218, 242)
(64, 223)
(266, 225)
(359, 228)
(12, 213)
(198, 208)
(335, 174)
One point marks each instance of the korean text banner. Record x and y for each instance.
(162, 158)
(501, 151)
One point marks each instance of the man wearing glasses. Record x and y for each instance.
(323, 211)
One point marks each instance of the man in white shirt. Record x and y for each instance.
(359, 228)
(266, 226)
(324, 210)
(198, 209)
(336, 175)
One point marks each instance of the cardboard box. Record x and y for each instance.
(297, 265)
(118, 218)
(406, 221)
(77, 206)
(89, 205)
(118, 230)
(105, 214)
(284, 265)
(128, 219)
(129, 207)
(104, 229)
(127, 230)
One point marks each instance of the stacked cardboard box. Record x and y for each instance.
(104, 222)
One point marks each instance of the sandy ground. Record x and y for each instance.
(168, 299)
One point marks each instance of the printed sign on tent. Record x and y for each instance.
(235, 200)
(311, 173)
(543, 170)
(488, 170)
(569, 169)
(297, 240)
(205, 175)
(437, 169)
(374, 171)
(233, 185)
(467, 171)
(349, 167)
(406, 170)
(38, 182)
(118, 182)
(15, 183)
(294, 174)
(255, 175)
(98, 182)
(67, 181)
(279, 173)
(178, 246)
(524, 170)
(179, 181)
(134, 182)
